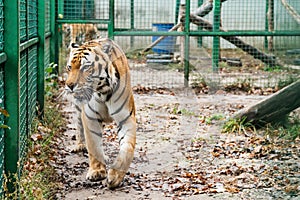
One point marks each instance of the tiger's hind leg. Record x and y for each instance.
(127, 140)
(93, 128)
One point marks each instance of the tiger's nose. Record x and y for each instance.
(70, 86)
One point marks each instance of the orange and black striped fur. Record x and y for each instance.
(99, 80)
(79, 33)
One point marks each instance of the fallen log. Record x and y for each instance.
(274, 108)
(269, 60)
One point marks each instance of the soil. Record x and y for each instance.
(182, 154)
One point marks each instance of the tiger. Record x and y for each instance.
(79, 33)
(99, 82)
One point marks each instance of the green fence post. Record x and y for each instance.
(131, 21)
(187, 43)
(12, 90)
(111, 24)
(41, 55)
(54, 34)
(58, 36)
(216, 39)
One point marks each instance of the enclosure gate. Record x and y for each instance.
(26, 48)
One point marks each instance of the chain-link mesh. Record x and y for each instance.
(1, 129)
(32, 18)
(23, 21)
(23, 103)
(1, 26)
(254, 41)
(47, 16)
(19, 70)
(32, 84)
(1, 99)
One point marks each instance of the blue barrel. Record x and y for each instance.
(167, 45)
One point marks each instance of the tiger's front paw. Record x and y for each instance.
(96, 174)
(114, 178)
(79, 148)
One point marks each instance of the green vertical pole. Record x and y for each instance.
(12, 90)
(54, 34)
(111, 25)
(60, 9)
(41, 55)
(58, 36)
(131, 21)
(187, 44)
(199, 40)
(216, 39)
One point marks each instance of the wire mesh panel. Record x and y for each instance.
(1, 26)
(23, 20)
(2, 93)
(32, 18)
(23, 104)
(47, 53)
(245, 51)
(32, 84)
(78, 9)
(1, 130)
(239, 38)
(47, 16)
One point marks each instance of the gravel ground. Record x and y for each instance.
(182, 154)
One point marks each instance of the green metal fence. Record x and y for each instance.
(244, 39)
(26, 48)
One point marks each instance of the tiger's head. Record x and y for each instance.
(89, 70)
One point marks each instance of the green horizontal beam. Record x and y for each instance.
(83, 21)
(244, 33)
(206, 33)
(3, 58)
(148, 33)
(28, 43)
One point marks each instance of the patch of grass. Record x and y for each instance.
(272, 69)
(213, 118)
(285, 82)
(182, 111)
(39, 179)
(288, 131)
(239, 126)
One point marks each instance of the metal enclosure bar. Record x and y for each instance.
(12, 89)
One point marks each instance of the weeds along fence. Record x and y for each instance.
(26, 48)
(220, 42)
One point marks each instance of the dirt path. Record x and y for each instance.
(181, 154)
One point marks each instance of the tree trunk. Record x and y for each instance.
(273, 108)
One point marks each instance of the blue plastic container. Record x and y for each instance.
(167, 45)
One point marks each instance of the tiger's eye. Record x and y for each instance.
(69, 67)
